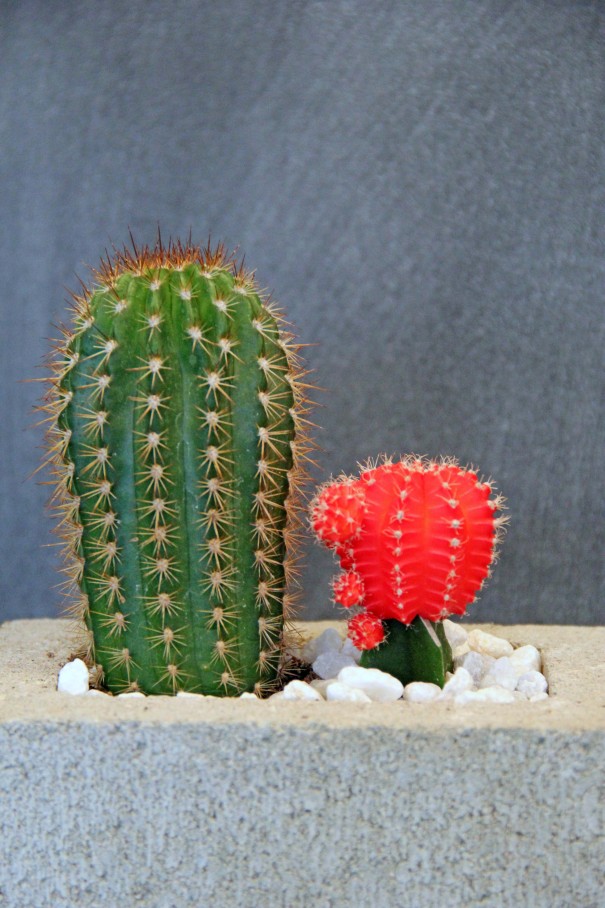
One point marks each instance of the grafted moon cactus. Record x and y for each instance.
(416, 540)
(176, 414)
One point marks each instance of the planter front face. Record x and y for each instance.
(167, 801)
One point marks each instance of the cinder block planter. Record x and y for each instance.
(170, 802)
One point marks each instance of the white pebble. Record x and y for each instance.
(487, 695)
(348, 649)
(320, 684)
(502, 674)
(459, 653)
(488, 680)
(247, 695)
(131, 694)
(459, 682)
(329, 641)
(455, 633)
(489, 644)
(300, 690)
(526, 659)
(338, 691)
(477, 665)
(93, 692)
(421, 691)
(532, 683)
(537, 697)
(190, 694)
(379, 686)
(73, 678)
(328, 664)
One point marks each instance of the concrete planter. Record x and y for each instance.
(169, 802)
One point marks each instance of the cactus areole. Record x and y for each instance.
(416, 540)
(175, 442)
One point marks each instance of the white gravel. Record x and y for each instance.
(337, 690)
(74, 678)
(328, 642)
(321, 685)
(459, 682)
(379, 686)
(500, 674)
(532, 683)
(300, 690)
(456, 634)
(487, 695)
(477, 665)
(328, 665)
(487, 669)
(421, 692)
(489, 644)
(349, 649)
(525, 659)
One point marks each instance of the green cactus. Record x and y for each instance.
(176, 413)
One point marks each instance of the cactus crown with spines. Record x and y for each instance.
(415, 537)
(416, 540)
(176, 441)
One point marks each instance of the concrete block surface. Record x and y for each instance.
(171, 802)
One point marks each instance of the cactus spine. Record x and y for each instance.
(176, 414)
(416, 540)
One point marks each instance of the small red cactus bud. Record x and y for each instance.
(365, 631)
(348, 589)
(337, 512)
(346, 557)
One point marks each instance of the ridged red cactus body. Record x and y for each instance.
(415, 537)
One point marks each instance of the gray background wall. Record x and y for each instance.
(421, 185)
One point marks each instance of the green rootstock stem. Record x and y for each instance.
(410, 653)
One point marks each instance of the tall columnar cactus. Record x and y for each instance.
(416, 540)
(175, 426)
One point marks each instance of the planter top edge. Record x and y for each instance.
(33, 650)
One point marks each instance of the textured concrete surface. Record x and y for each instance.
(420, 184)
(169, 802)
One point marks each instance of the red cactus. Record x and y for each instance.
(419, 536)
